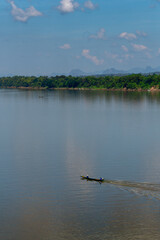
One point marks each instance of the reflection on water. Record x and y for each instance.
(49, 138)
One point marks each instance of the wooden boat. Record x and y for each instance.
(92, 179)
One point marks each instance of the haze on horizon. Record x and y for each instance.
(56, 36)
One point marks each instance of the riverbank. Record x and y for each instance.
(133, 82)
(88, 89)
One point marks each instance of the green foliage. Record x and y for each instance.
(133, 81)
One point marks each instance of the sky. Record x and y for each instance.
(40, 37)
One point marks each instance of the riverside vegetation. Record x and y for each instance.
(126, 82)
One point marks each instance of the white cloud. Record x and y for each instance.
(65, 46)
(132, 36)
(94, 59)
(113, 56)
(23, 15)
(118, 58)
(99, 35)
(128, 36)
(153, 6)
(67, 6)
(141, 33)
(88, 4)
(148, 55)
(125, 49)
(139, 47)
(128, 56)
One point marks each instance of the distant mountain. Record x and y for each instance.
(56, 74)
(109, 71)
(77, 72)
(136, 70)
(148, 69)
(113, 71)
(7, 75)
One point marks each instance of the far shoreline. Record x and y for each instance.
(127, 83)
(152, 89)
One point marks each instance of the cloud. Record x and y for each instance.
(125, 49)
(65, 46)
(141, 33)
(128, 36)
(153, 6)
(113, 56)
(132, 36)
(148, 55)
(99, 35)
(89, 5)
(139, 47)
(67, 6)
(23, 15)
(94, 59)
(128, 56)
(158, 51)
(118, 58)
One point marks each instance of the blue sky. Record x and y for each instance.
(56, 36)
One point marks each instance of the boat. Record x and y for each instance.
(92, 179)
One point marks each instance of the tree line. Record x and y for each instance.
(132, 81)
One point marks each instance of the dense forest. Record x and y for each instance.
(133, 81)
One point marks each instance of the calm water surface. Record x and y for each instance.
(49, 138)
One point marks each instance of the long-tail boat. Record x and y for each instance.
(92, 179)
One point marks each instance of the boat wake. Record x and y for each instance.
(149, 190)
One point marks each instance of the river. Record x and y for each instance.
(49, 138)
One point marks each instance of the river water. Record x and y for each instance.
(49, 138)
